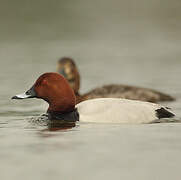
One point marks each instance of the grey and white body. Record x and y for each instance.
(113, 110)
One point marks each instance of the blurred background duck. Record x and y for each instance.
(67, 67)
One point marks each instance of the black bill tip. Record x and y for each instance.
(16, 97)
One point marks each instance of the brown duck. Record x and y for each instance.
(67, 67)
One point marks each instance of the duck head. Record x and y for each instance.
(54, 89)
(67, 67)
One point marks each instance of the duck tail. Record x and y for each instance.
(166, 97)
(164, 113)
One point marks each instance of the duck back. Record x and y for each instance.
(127, 92)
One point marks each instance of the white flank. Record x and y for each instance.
(113, 110)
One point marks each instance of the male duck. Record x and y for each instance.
(56, 91)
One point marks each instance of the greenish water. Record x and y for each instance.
(128, 42)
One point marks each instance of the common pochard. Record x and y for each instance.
(67, 67)
(56, 91)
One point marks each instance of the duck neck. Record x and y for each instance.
(61, 106)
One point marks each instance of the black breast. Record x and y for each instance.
(68, 117)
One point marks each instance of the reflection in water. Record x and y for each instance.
(55, 125)
(52, 125)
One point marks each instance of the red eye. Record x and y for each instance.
(43, 82)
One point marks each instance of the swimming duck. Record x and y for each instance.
(56, 91)
(67, 67)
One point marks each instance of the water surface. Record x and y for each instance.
(128, 42)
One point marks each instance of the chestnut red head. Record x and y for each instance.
(53, 88)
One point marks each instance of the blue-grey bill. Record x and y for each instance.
(21, 96)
